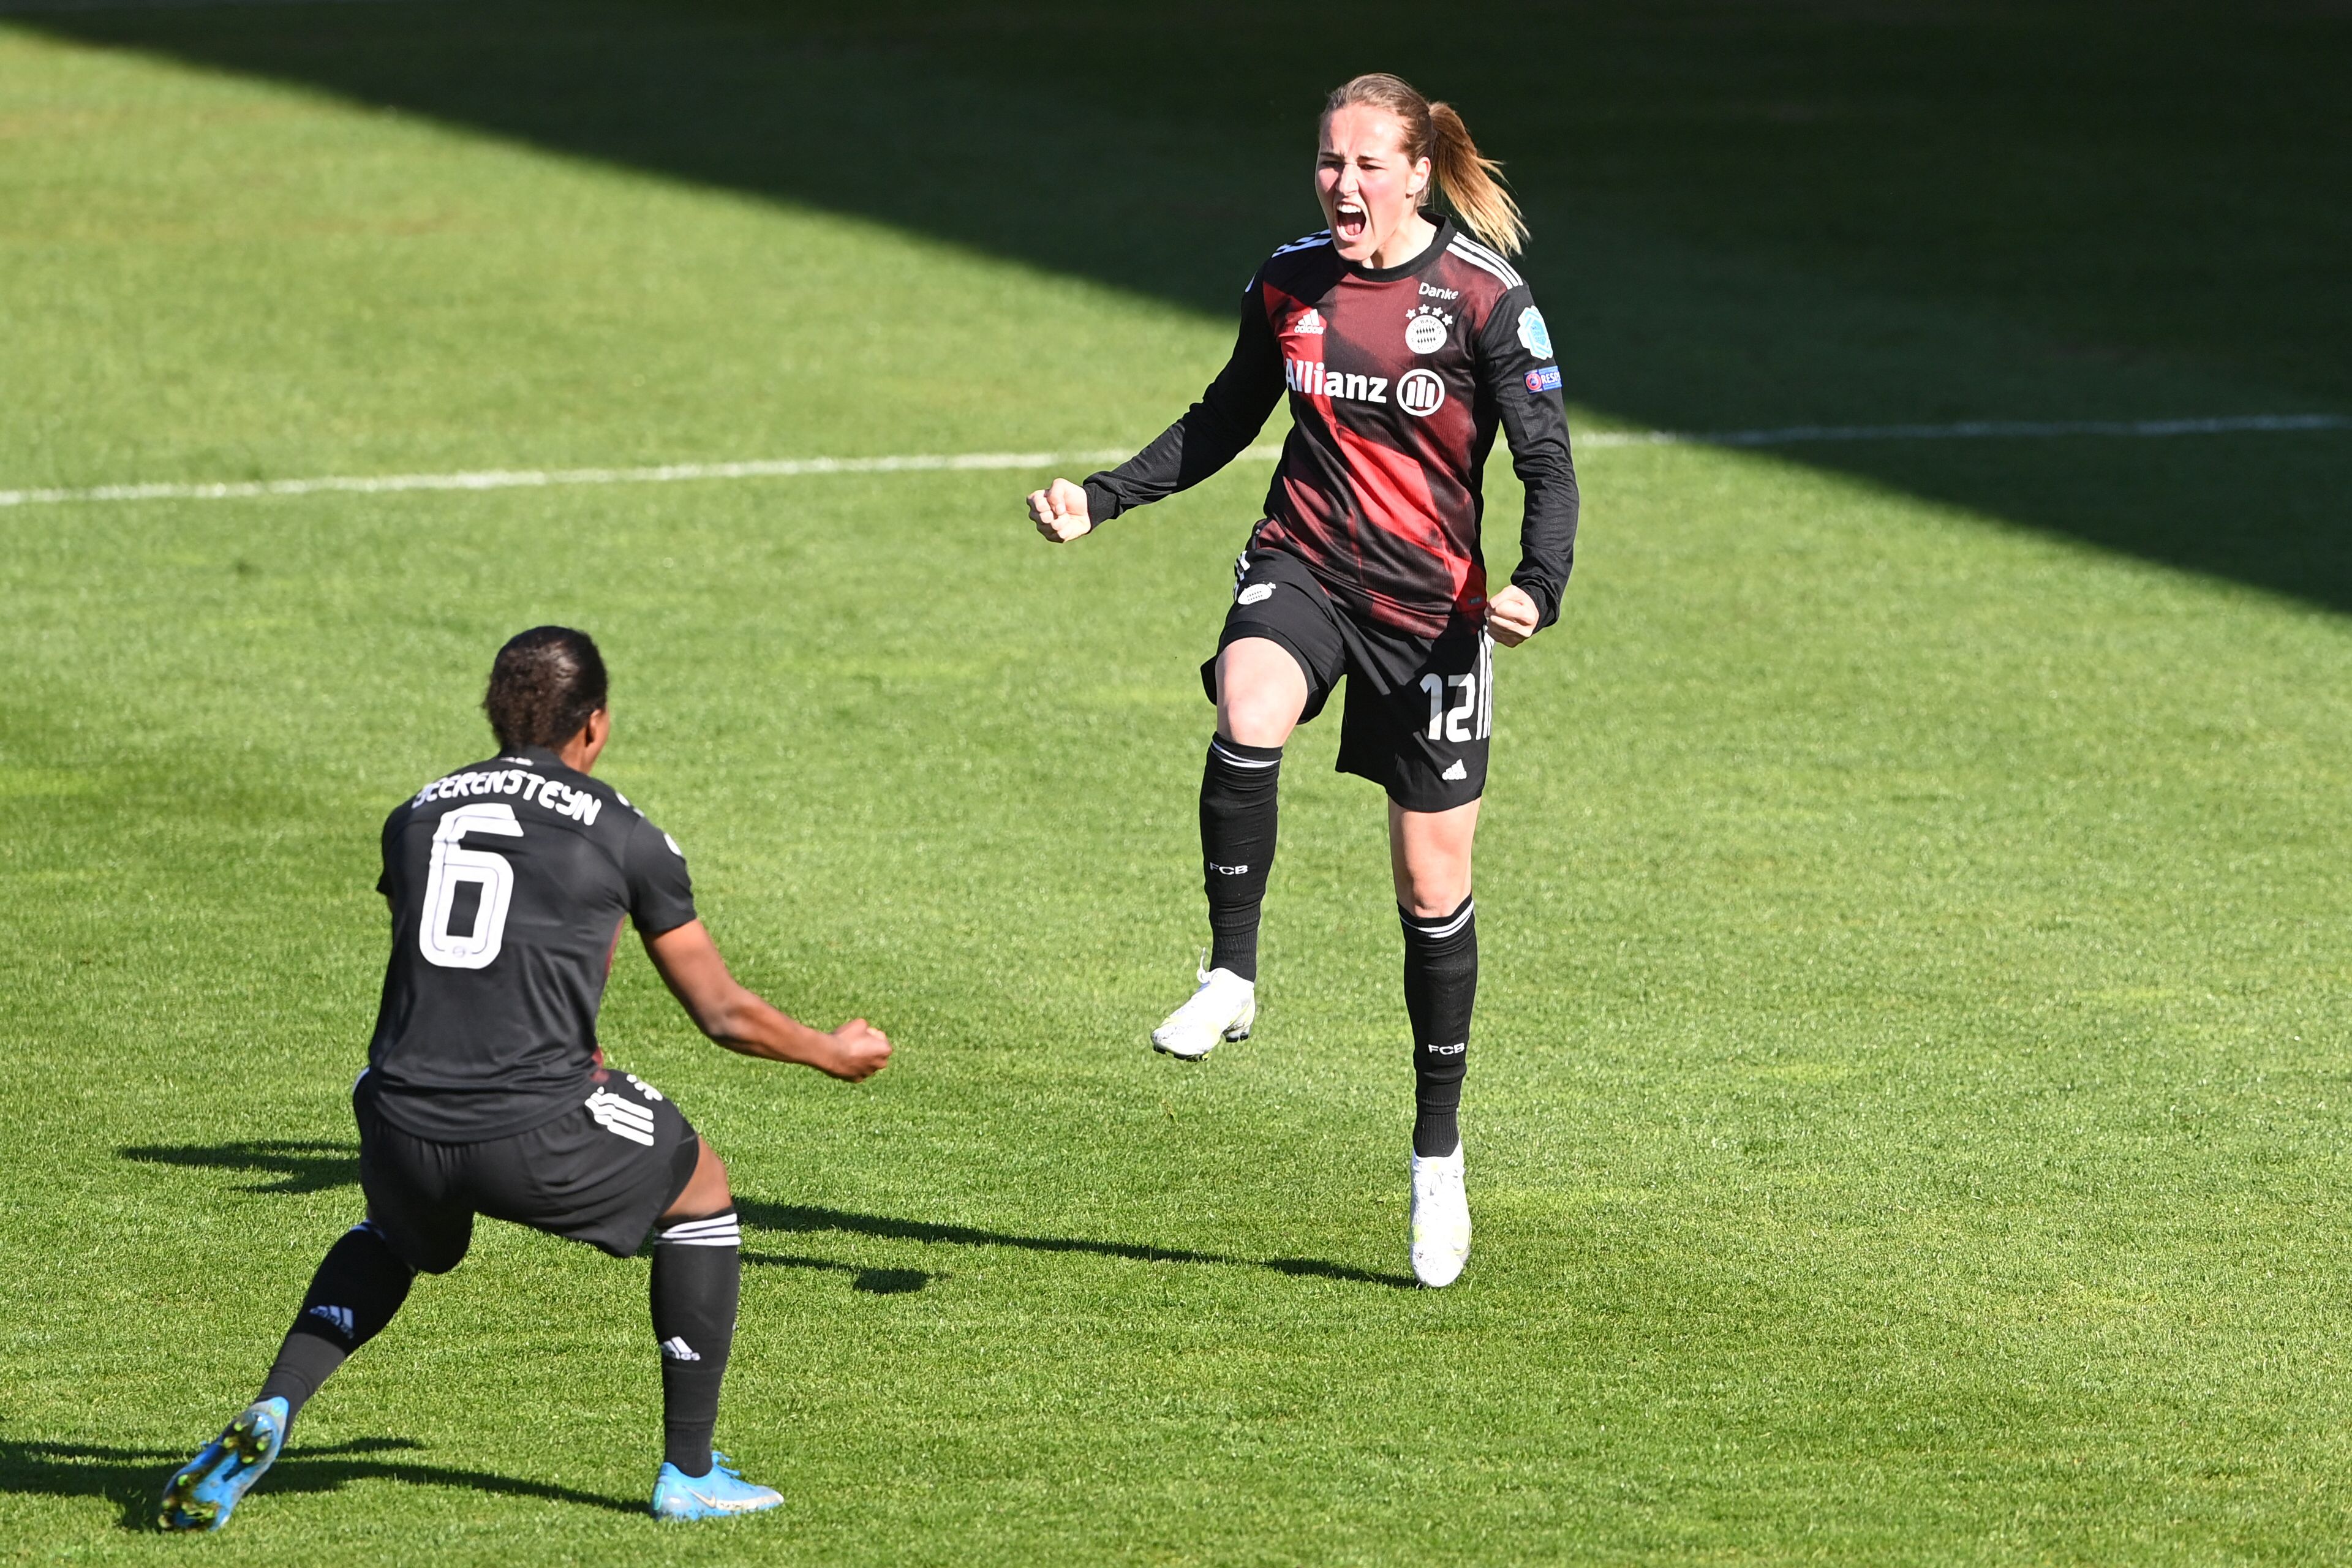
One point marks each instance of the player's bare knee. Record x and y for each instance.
(1431, 879)
(1431, 899)
(1257, 724)
(1261, 691)
(706, 1191)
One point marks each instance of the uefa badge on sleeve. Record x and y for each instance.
(1534, 336)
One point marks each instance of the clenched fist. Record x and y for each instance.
(1059, 510)
(1511, 616)
(859, 1052)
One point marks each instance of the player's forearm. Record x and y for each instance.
(1213, 433)
(1193, 448)
(744, 1022)
(1547, 536)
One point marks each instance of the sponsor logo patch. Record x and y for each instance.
(1310, 376)
(1534, 336)
(1420, 392)
(675, 1348)
(1309, 325)
(1433, 292)
(1255, 594)
(1454, 775)
(1544, 379)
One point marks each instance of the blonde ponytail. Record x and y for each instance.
(1471, 183)
(1465, 178)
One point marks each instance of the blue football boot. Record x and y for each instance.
(206, 1490)
(677, 1495)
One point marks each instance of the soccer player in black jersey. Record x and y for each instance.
(1404, 339)
(486, 1093)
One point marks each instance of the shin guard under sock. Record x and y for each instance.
(359, 1284)
(1237, 833)
(1441, 985)
(698, 1276)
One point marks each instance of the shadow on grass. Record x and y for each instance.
(313, 1167)
(132, 1479)
(872, 1282)
(1747, 215)
(301, 1166)
(801, 1218)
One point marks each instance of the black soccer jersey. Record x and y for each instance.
(508, 882)
(1398, 378)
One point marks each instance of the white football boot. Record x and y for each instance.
(1224, 1008)
(1441, 1219)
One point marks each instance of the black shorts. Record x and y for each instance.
(601, 1173)
(1420, 710)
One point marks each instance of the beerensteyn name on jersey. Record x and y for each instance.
(553, 794)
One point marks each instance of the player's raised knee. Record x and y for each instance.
(1261, 691)
(706, 1191)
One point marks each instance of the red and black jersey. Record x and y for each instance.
(1397, 377)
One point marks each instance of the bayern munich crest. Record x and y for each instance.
(1425, 329)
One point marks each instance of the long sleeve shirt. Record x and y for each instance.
(1398, 378)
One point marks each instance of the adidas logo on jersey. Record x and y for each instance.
(1310, 324)
(626, 1118)
(1308, 375)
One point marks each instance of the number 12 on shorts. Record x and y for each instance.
(1464, 718)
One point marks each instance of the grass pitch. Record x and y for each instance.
(1908, 1111)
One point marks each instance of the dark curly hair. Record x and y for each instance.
(544, 685)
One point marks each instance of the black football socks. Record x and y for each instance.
(359, 1284)
(1237, 831)
(1441, 986)
(698, 1278)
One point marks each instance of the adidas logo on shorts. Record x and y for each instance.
(628, 1118)
(1455, 773)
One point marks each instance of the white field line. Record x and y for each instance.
(794, 467)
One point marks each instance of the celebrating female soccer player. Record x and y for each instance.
(485, 1091)
(1403, 341)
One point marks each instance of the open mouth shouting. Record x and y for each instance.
(1348, 220)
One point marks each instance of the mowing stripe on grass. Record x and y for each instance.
(793, 467)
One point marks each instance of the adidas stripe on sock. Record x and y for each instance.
(697, 1281)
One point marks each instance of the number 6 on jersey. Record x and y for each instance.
(453, 866)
